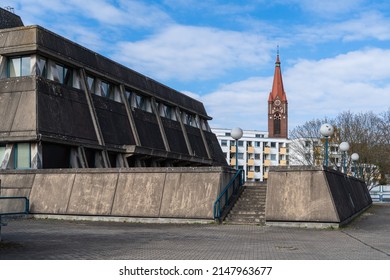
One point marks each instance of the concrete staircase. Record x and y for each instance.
(250, 206)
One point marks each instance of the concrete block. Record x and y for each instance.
(138, 194)
(50, 193)
(190, 195)
(25, 115)
(312, 195)
(92, 194)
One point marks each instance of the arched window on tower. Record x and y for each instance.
(277, 124)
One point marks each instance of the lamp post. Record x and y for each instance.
(326, 130)
(344, 147)
(355, 158)
(236, 134)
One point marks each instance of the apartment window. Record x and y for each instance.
(259, 135)
(240, 143)
(257, 156)
(257, 168)
(273, 144)
(240, 155)
(22, 156)
(224, 143)
(19, 66)
(273, 156)
(257, 144)
(227, 133)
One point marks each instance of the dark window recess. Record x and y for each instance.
(277, 126)
(112, 159)
(55, 156)
(90, 155)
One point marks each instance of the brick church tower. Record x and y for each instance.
(277, 106)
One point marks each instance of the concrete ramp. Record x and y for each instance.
(315, 197)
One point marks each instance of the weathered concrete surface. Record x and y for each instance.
(132, 192)
(138, 194)
(313, 195)
(51, 192)
(18, 109)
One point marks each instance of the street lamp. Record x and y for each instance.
(326, 130)
(355, 158)
(236, 134)
(344, 147)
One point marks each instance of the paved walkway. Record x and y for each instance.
(366, 238)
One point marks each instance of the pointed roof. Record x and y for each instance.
(277, 87)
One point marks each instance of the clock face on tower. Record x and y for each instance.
(277, 102)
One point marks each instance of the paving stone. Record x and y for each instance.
(366, 238)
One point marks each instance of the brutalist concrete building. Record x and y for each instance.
(64, 106)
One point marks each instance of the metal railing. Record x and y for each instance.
(9, 213)
(13, 211)
(232, 189)
(380, 193)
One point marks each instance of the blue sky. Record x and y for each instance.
(335, 54)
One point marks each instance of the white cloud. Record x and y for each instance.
(242, 104)
(358, 81)
(194, 53)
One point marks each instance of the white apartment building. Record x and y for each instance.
(256, 152)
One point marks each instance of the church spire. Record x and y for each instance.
(277, 105)
(277, 87)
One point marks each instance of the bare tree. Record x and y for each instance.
(368, 135)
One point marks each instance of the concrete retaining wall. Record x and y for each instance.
(132, 192)
(314, 195)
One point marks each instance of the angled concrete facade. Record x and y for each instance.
(64, 106)
(304, 195)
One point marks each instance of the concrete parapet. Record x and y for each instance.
(309, 195)
(181, 192)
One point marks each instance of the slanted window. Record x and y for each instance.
(107, 90)
(128, 95)
(22, 156)
(19, 66)
(2, 152)
(64, 75)
(91, 84)
(42, 67)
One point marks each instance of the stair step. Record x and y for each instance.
(246, 212)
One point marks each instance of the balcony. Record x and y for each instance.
(232, 162)
(251, 175)
(250, 150)
(267, 150)
(232, 149)
(267, 162)
(251, 162)
(265, 176)
(283, 162)
(283, 151)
